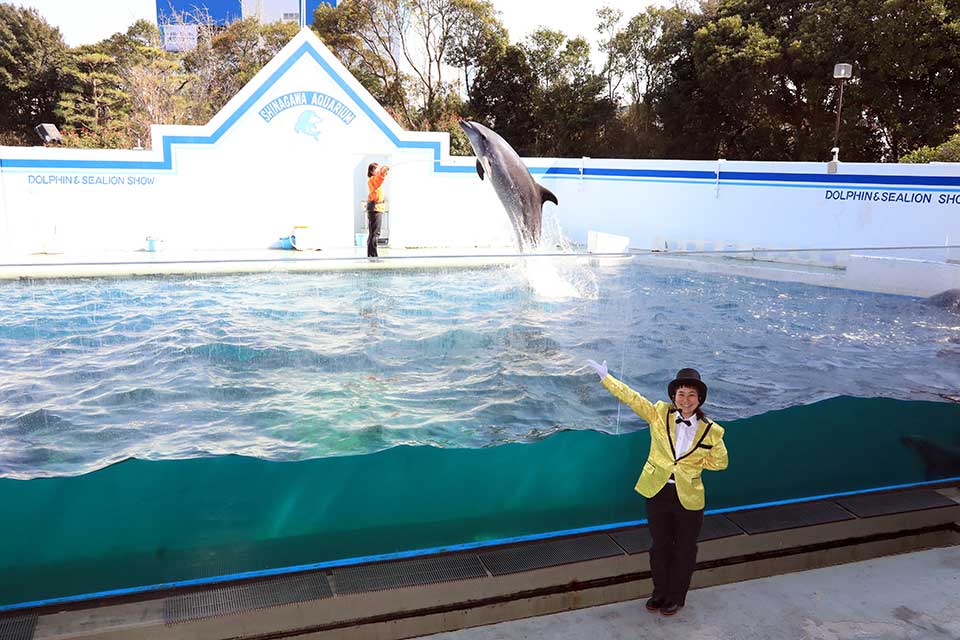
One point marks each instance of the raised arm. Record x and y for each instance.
(640, 405)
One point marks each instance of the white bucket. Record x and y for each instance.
(305, 239)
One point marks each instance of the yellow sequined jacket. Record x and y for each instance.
(706, 452)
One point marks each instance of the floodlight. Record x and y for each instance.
(48, 133)
(842, 71)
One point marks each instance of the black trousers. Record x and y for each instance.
(673, 555)
(374, 220)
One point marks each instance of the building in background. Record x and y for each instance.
(180, 20)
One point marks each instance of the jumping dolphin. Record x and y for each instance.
(949, 299)
(939, 461)
(520, 195)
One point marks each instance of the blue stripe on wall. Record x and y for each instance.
(835, 178)
(596, 173)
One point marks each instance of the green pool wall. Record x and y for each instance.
(149, 522)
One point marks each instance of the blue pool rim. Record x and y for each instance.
(426, 552)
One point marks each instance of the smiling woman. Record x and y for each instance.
(683, 444)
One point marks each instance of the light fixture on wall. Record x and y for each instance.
(841, 72)
(48, 133)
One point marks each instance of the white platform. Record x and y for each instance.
(899, 276)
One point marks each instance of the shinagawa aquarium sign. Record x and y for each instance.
(309, 121)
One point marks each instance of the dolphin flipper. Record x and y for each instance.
(479, 169)
(546, 195)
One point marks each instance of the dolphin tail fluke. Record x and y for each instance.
(479, 169)
(546, 195)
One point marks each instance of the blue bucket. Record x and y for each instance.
(286, 242)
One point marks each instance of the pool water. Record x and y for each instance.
(158, 430)
(288, 367)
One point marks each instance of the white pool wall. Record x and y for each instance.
(245, 179)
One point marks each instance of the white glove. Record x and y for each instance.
(600, 369)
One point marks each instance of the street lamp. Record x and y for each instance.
(841, 72)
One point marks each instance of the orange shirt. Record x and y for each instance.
(375, 187)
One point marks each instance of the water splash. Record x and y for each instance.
(558, 278)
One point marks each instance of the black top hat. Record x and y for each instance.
(689, 377)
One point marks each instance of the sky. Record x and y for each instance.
(89, 21)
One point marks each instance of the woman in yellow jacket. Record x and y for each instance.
(683, 442)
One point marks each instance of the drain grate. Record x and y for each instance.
(549, 554)
(882, 504)
(224, 601)
(407, 573)
(18, 627)
(717, 526)
(791, 516)
(634, 540)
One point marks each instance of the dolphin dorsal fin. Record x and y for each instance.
(479, 169)
(545, 195)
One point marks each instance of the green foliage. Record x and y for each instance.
(33, 57)
(94, 110)
(949, 151)
(478, 35)
(399, 49)
(754, 79)
(225, 60)
(362, 33)
(502, 96)
(740, 79)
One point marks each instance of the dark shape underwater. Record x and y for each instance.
(939, 461)
(949, 299)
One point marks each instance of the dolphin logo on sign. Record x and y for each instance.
(309, 124)
(309, 120)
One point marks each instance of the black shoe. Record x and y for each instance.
(654, 603)
(670, 609)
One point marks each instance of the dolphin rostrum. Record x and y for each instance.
(520, 195)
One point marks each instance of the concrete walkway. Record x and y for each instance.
(914, 596)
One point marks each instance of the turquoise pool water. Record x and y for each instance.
(290, 367)
(161, 430)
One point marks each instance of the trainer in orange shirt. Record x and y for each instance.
(376, 174)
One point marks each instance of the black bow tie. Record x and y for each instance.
(686, 422)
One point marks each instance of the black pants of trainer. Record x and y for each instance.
(374, 220)
(673, 555)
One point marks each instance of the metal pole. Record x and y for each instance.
(303, 23)
(836, 128)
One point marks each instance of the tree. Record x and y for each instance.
(399, 48)
(753, 78)
(546, 56)
(153, 79)
(616, 65)
(949, 151)
(503, 94)
(225, 60)
(32, 57)
(909, 76)
(479, 35)
(362, 33)
(571, 107)
(94, 110)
